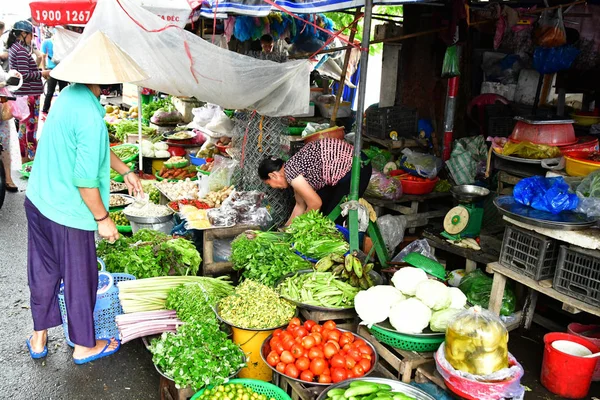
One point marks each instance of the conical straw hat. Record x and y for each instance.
(98, 60)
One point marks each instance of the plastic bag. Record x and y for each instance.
(19, 108)
(550, 31)
(222, 250)
(382, 187)
(220, 177)
(504, 384)
(545, 194)
(363, 213)
(426, 165)
(222, 216)
(554, 59)
(420, 246)
(164, 116)
(256, 216)
(244, 202)
(477, 287)
(527, 149)
(451, 66)
(392, 230)
(588, 192)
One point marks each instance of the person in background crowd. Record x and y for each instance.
(50, 63)
(319, 173)
(5, 140)
(3, 51)
(266, 42)
(20, 59)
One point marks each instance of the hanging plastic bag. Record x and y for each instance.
(550, 31)
(478, 287)
(19, 108)
(451, 66)
(220, 177)
(392, 230)
(382, 187)
(545, 194)
(426, 165)
(420, 246)
(530, 150)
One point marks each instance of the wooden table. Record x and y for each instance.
(472, 257)
(501, 273)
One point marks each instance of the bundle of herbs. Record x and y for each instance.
(265, 256)
(316, 236)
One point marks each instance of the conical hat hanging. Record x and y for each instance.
(98, 60)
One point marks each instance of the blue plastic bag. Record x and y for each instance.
(554, 59)
(545, 194)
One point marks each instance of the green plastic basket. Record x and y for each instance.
(260, 387)
(124, 229)
(132, 158)
(398, 340)
(24, 173)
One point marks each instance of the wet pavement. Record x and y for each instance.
(129, 374)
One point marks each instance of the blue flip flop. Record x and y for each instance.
(32, 353)
(103, 353)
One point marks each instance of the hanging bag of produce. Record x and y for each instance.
(474, 361)
(551, 30)
(451, 66)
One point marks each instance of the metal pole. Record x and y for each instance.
(141, 166)
(360, 110)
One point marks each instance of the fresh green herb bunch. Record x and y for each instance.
(316, 236)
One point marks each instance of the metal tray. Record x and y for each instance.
(427, 333)
(266, 349)
(377, 280)
(530, 120)
(230, 377)
(397, 386)
(149, 220)
(525, 160)
(565, 221)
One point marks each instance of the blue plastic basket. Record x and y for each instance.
(107, 305)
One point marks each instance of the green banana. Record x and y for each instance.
(349, 262)
(370, 280)
(324, 264)
(338, 269)
(364, 282)
(354, 281)
(367, 268)
(358, 268)
(345, 274)
(337, 258)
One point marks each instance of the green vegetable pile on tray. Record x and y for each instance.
(150, 254)
(347, 268)
(127, 126)
(149, 109)
(320, 289)
(232, 392)
(265, 256)
(114, 175)
(119, 218)
(316, 236)
(125, 151)
(256, 306)
(189, 300)
(199, 353)
(364, 390)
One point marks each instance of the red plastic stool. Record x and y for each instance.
(479, 103)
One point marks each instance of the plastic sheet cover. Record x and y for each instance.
(183, 64)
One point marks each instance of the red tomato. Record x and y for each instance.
(297, 350)
(300, 332)
(273, 342)
(295, 321)
(308, 342)
(278, 348)
(298, 340)
(287, 357)
(344, 341)
(285, 335)
(355, 354)
(334, 335)
(330, 350)
(329, 325)
(350, 362)
(318, 366)
(346, 347)
(324, 379)
(349, 335)
(318, 337)
(325, 333)
(316, 329)
(358, 342)
(327, 371)
(303, 363)
(288, 343)
(280, 367)
(365, 350)
(291, 370)
(273, 359)
(336, 344)
(358, 371)
(337, 361)
(309, 324)
(277, 332)
(350, 374)
(338, 375)
(307, 376)
(315, 353)
(365, 364)
(292, 330)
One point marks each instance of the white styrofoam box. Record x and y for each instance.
(526, 87)
(507, 91)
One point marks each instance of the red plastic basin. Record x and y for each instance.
(594, 337)
(416, 187)
(548, 134)
(586, 143)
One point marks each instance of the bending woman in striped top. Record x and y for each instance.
(20, 59)
(319, 174)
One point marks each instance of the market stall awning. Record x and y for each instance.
(79, 12)
(261, 8)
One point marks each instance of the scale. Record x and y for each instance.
(464, 220)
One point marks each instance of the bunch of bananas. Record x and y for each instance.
(348, 268)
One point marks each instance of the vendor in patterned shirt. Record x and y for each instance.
(319, 174)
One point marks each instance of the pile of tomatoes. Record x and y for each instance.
(319, 353)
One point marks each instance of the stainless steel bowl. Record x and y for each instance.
(149, 220)
(468, 193)
(266, 349)
(244, 359)
(397, 386)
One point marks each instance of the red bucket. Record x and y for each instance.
(591, 333)
(566, 375)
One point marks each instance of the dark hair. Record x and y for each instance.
(268, 165)
(13, 37)
(266, 38)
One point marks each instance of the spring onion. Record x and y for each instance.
(133, 326)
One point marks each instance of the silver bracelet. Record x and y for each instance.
(127, 173)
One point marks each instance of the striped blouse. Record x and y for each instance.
(20, 59)
(322, 162)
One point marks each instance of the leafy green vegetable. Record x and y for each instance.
(265, 257)
(190, 300)
(149, 109)
(315, 235)
(319, 289)
(127, 126)
(150, 254)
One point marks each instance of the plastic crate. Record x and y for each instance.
(382, 121)
(578, 274)
(529, 253)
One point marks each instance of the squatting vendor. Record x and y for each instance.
(319, 174)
